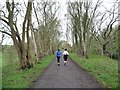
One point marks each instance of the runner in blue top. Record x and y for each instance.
(58, 54)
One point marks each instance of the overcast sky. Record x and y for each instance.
(62, 12)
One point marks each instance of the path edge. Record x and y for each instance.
(79, 66)
(42, 73)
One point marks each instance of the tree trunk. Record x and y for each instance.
(35, 46)
(28, 56)
(22, 59)
(16, 43)
(53, 52)
(119, 42)
(104, 49)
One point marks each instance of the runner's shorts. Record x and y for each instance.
(65, 57)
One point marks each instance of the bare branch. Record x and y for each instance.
(5, 21)
(5, 32)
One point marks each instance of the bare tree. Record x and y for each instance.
(11, 21)
(47, 26)
(82, 18)
(107, 34)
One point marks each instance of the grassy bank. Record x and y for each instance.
(0, 70)
(14, 78)
(104, 69)
(0, 59)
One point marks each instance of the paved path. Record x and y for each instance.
(70, 76)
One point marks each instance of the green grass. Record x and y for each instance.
(9, 56)
(13, 78)
(0, 70)
(0, 78)
(104, 69)
(0, 60)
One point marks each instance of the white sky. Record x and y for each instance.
(62, 12)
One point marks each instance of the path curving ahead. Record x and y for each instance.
(70, 76)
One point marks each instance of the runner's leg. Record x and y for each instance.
(65, 59)
(58, 60)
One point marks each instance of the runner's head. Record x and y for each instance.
(65, 49)
(58, 49)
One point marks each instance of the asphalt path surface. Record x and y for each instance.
(69, 76)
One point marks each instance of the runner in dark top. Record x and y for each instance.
(65, 56)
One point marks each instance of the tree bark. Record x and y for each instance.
(29, 57)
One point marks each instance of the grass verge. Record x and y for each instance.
(13, 78)
(104, 69)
